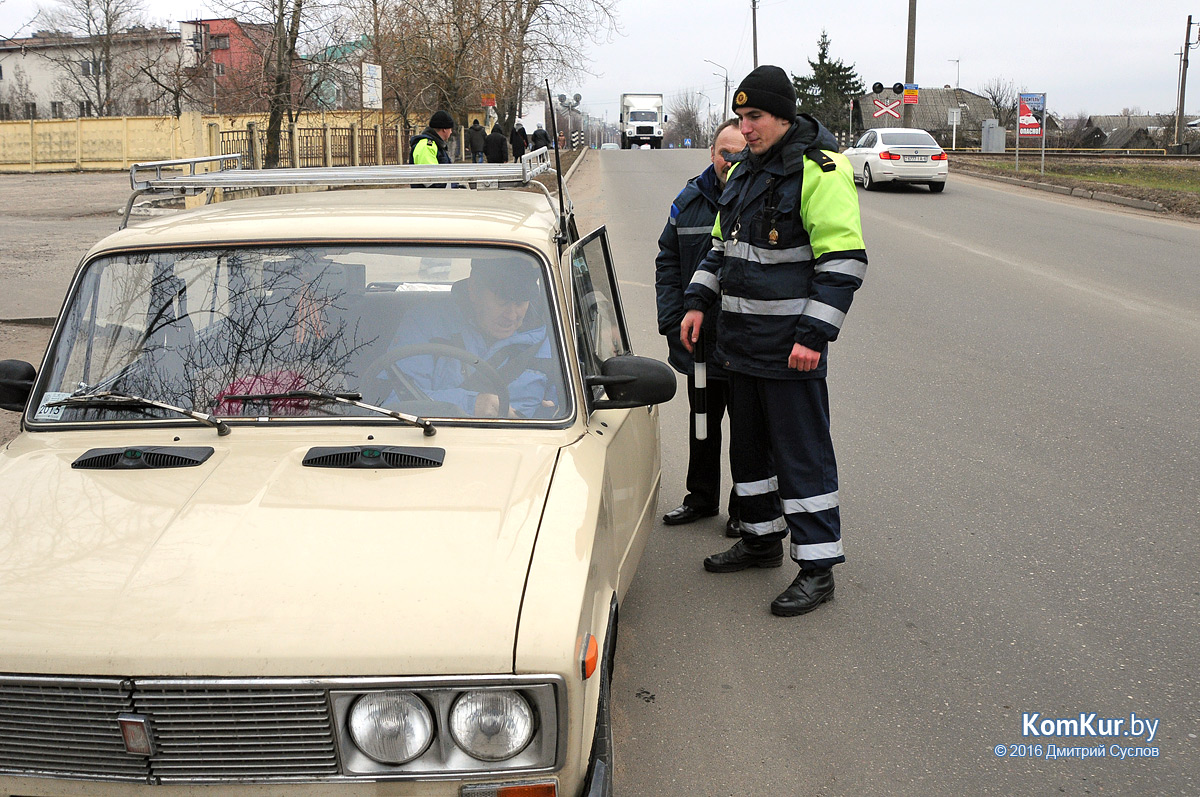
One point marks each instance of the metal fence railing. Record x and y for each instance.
(311, 145)
(306, 147)
(340, 143)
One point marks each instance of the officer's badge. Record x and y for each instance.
(773, 236)
(741, 98)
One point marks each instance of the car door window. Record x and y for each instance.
(600, 331)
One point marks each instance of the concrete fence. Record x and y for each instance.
(116, 143)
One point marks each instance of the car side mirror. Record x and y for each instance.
(16, 383)
(633, 381)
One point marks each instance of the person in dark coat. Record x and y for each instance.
(519, 141)
(541, 138)
(685, 241)
(476, 136)
(496, 146)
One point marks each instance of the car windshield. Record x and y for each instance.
(917, 139)
(643, 116)
(438, 332)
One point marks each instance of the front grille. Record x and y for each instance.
(645, 130)
(207, 734)
(66, 729)
(201, 732)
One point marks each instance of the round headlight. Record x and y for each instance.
(391, 727)
(492, 725)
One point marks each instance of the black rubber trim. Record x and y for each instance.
(599, 774)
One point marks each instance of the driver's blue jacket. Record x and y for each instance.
(441, 378)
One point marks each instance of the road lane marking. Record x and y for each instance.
(1144, 307)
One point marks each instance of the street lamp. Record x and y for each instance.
(568, 105)
(725, 108)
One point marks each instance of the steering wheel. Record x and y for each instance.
(402, 383)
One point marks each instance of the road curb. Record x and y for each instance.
(1084, 193)
(578, 160)
(33, 321)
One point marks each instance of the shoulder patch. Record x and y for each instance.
(821, 158)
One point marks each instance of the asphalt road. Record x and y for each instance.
(1014, 408)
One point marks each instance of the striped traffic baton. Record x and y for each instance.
(701, 381)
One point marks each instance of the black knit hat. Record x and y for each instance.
(441, 121)
(768, 89)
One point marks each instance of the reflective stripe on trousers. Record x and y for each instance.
(784, 470)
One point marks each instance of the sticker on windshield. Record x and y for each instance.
(45, 413)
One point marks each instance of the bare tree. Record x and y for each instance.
(444, 53)
(1001, 94)
(547, 39)
(172, 79)
(19, 96)
(280, 28)
(687, 120)
(97, 51)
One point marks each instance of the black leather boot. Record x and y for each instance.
(686, 514)
(733, 528)
(810, 589)
(740, 557)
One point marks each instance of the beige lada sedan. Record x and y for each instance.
(329, 493)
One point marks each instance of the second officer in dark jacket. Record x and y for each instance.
(684, 242)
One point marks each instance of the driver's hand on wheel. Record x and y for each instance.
(487, 405)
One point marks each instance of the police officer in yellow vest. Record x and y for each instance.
(787, 257)
(429, 146)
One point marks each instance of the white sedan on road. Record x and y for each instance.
(898, 154)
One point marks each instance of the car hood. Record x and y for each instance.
(251, 564)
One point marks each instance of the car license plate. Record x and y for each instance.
(915, 158)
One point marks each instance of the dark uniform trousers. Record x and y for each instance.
(704, 456)
(784, 471)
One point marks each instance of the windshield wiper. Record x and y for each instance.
(353, 399)
(110, 399)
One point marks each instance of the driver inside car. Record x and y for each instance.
(495, 314)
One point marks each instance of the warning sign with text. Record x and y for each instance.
(1031, 110)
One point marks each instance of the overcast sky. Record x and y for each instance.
(1096, 57)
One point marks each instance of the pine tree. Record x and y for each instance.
(826, 94)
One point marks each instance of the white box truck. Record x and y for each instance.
(642, 120)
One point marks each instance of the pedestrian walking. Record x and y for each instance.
(476, 136)
(519, 141)
(685, 241)
(787, 257)
(496, 146)
(541, 138)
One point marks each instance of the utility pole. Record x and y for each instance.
(754, 26)
(1183, 68)
(910, 60)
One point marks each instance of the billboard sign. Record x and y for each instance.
(372, 86)
(1031, 110)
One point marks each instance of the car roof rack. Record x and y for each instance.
(182, 178)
